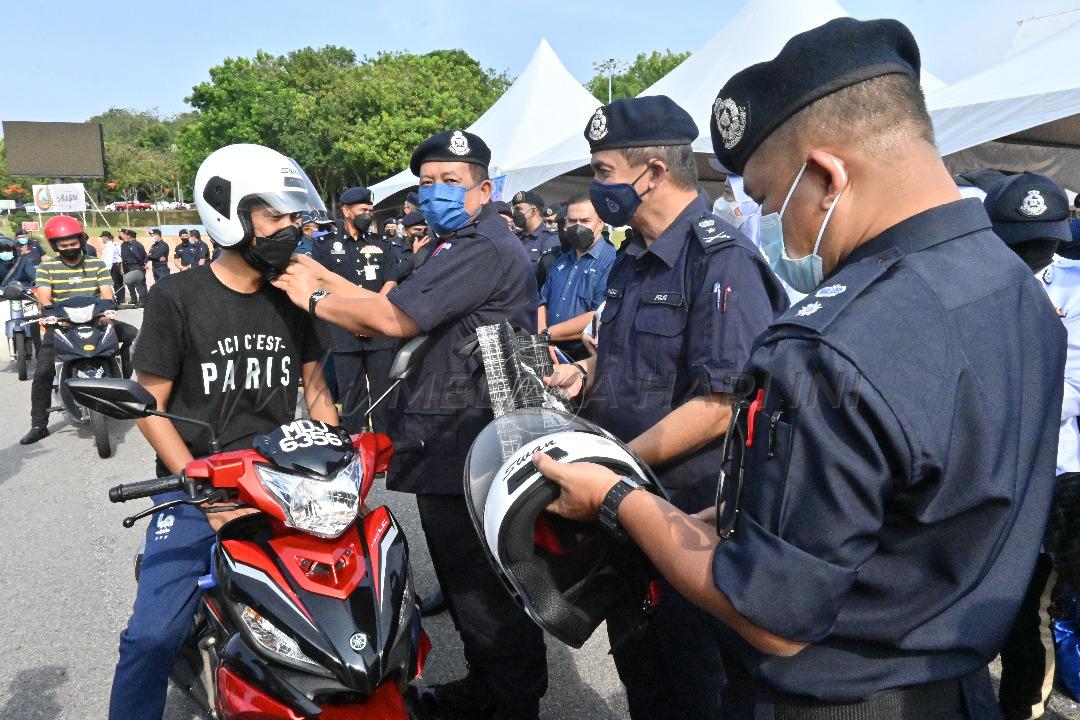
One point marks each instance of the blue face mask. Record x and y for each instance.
(802, 274)
(5, 256)
(616, 203)
(23, 241)
(443, 206)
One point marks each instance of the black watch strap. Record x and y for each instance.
(609, 509)
(314, 300)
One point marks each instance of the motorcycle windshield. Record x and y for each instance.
(502, 438)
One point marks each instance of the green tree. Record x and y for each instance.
(645, 70)
(345, 121)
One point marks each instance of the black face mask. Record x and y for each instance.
(578, 237)
(1037, 253)
(520, 219)
(70, 253)
(270, 255)
(361, 222)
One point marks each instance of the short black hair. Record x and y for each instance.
(479, 172)
(877, 114)
(680, 160)
(579, 198)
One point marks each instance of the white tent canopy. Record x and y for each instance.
(523, 119)
(1030, 89)
(755, 34)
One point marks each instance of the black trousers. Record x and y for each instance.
(358, 373)
(1027, 659)
(117, 273)
(673, 665)
(45, 371)
(502, 645)
(160, 271)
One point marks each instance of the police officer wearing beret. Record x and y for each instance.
(159, 255)
(535, 235)
(478, 274)
(887, 479)
(683, 304)
(133, 260)
(1030, 212)
(416, 243)
(365, 259)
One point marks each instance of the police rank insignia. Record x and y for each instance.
(809, 309)
(830, 291)
(1033, 205)
(730, 121)
(459, 144)
(598, 125)
(519, 198)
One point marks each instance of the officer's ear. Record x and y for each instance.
(487, 188)
(829, 172)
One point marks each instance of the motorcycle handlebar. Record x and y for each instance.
(408, 446)
(146, 488)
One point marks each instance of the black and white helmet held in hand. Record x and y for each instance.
(568, 575)
(234, 178)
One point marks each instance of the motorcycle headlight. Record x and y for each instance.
(274, 641)
(83, 314)
(320, 506)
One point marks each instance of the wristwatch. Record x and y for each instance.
(609, 509)
(314, 300)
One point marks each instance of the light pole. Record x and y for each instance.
(609, 67)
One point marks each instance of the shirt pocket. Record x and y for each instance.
(767, 461)
(659, 330)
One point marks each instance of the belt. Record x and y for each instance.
(943, 700)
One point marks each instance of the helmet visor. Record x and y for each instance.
(503, 437)
(290, 192)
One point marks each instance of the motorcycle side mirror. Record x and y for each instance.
(115, 397)
(409, 357)
(14, 291)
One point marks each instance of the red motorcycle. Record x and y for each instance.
(309, 609)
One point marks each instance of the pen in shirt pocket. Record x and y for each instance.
(721, 293)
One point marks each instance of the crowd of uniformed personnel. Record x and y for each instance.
(893, 373)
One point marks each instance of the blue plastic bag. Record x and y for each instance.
(1067, 640)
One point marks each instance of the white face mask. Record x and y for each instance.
(805, 273)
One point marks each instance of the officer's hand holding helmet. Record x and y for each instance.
(249, 198)
(568, 575)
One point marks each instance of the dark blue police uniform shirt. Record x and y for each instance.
(896, 520)
(576, 285)
(186, 253)
(35, 251)
(159, 253)
(678, 322)
(345, 256)
(132, 255)
(479, 275)
(539, 241)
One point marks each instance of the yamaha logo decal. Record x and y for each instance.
(358, 642)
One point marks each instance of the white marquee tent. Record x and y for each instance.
(755, 34)
(525, 118)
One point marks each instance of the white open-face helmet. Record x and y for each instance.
(232, 178)
(567, 575)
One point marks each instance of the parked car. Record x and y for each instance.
(130, 205)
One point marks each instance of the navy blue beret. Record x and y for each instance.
(413, 199)
(1026, 207)
(529, 197)
(389, 221)
(414, 218)
(842, 52)
(647, 121)
(451, 146)
(355, 195)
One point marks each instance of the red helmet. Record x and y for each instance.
(61, 227)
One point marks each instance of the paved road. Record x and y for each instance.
(70, 587)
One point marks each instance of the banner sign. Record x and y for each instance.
(31, 226)
(60, 198)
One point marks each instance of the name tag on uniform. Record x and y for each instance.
(614, 293)
(664, 298)
(369, 272)
(337, 249)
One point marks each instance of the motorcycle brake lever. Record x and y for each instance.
(216, 495)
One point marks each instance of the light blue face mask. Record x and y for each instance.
(443, 206)
(802, 274)
(5, 256)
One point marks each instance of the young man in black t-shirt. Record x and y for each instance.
(218, 344)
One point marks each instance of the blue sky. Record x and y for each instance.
(91, 56)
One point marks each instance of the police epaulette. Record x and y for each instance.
(713, 233)
(825, 304)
